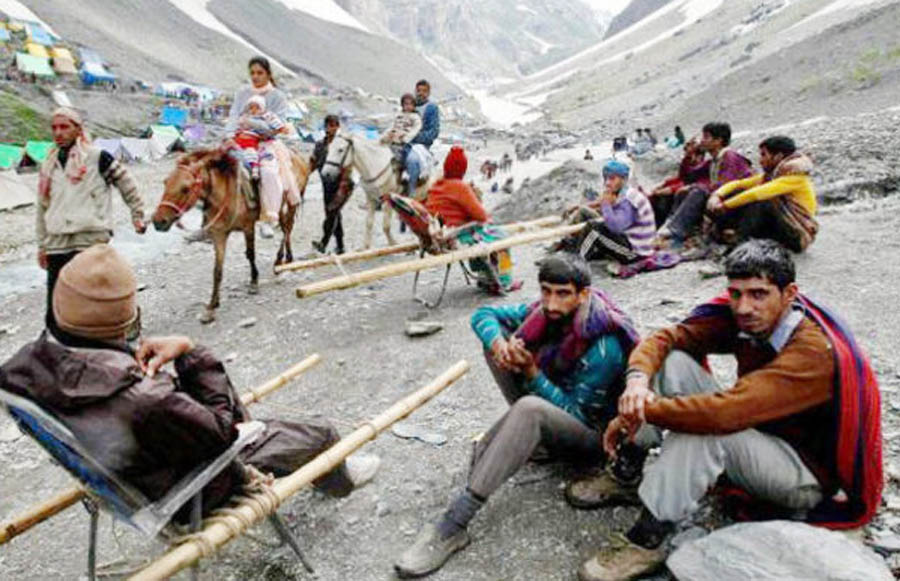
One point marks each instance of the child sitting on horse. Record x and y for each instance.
(255, 125)
(407, 125)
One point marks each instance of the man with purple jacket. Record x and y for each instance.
(727, 165)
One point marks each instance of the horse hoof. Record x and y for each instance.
(254, 289)
(208, 316)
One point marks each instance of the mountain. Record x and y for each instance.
(210, 42)
(636, 11)
(484, 42)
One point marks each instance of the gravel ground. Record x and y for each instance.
(526, 531)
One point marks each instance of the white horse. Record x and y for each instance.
(378, 176)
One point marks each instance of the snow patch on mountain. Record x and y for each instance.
(327, 10)
(18, 11)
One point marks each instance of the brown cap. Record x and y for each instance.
(95, 295)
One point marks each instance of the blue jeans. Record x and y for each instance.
(413, 169)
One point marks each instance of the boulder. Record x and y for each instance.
(774, 551)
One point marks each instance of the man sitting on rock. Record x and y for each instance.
(778, 204)
(148, 426)
(799, 431)
(559, 363)
(727, 165)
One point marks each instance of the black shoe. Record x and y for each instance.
(340, 250)
(629, 465)
(648, 532)
(318, 246)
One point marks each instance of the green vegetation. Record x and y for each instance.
(20, 123)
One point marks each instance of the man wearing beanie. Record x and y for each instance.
(148, 426)
(456, 204)
(74, 209)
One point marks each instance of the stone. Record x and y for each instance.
(142, 287)
(773, 551)
(382, 509)
(10, 433)
(423, 328)
(885, 542)
(691, 534)
(231, 357)
(248, 322)
(410, 431)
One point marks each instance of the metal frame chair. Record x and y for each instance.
(107, 492)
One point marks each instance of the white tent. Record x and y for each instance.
(134, 149)
(14, 192)
(61, 99)
(113, 146)
(161, 143)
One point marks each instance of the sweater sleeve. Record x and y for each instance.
(431, 126)
(121, 178)
(777, 187)
(474, 209)
(40, 225)
(411, 130)
(489, 322)
(738, 185)
(698, 338)
(618, 217)
(601, 368)
(799, 378)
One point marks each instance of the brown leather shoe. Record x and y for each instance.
(600, 490)
(622, 563)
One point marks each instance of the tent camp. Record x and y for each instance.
(37, 34)
(60, 98)
(37, 66)
(195, 132)
(35, 152)
(63, 61)
(111, 146)
(90, 56)
(9, 155)
(37, 50)
(134, 149)
(15, 191)
(163, 139)
(173, 116)
(94, 73)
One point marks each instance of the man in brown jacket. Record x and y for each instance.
(148, 426)
(775, 434)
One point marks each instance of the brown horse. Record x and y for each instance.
(213, 176)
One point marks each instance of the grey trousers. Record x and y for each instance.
(764, 465)
(529, 422)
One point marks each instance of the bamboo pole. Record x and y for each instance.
(400, 248)
(41, 512)
(218, 533)
(354, 279)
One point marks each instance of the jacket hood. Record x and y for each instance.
(795, 164)
(57, 376)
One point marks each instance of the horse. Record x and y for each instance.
(213, 176)
(379, 175)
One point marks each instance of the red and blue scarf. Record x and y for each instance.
(597, 316)
(857, 412)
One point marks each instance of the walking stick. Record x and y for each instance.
(41, 512)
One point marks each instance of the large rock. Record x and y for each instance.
(775, 551)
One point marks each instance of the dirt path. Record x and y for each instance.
(527, 531)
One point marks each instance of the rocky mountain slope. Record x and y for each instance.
(757, 62)
(485, 41)
(636, 11)
(157, 40)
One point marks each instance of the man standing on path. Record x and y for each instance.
(559, 364)
(74, 202)
(799, 432)
(334, 192)
(431, 128)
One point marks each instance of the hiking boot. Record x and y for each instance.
(600, 490)
(265, 230)
(320, 248)
(429, 552)
(622, 563)
(361, 468)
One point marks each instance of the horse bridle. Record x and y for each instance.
(195, 194)
(340, 164)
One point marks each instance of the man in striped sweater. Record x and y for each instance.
(624, 226)
(559, 362)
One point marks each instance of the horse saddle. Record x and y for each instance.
(248, 187)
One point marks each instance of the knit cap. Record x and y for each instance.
(258, 100)
(616, 168)
(95, 294)
(456, 163)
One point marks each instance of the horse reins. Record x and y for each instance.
(341, 163)
(196, 194)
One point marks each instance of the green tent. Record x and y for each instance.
(165, 130)
(29, 64)
(38, 150)
(9, 155)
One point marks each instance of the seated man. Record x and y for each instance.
(778, 204)
(799, 431)
(148, 426)
(727, 165)
(692, 171)
(559, 364)
(624, 226)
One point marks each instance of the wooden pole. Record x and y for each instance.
(351, 280)
(67, 498)
(218, 533)
(400, 248)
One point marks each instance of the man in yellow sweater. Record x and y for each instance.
(778, 204)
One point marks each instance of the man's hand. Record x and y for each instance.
(522, 359)
(609, 198)
(636, 396)
(42, 258)
(155, 352)
(500, 353)
(715, 205)
(139, 226)
(617, 430)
